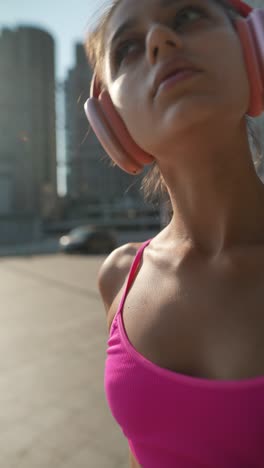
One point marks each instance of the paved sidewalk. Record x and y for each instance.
(53, 339)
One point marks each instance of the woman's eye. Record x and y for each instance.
(126, 49)
(189, 14)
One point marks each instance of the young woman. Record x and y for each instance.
(175, 81)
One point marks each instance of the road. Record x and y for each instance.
(53, 342)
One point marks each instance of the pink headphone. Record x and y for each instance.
(110, 128)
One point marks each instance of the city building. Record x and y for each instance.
(28, 170)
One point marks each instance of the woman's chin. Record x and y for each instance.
(185, 120)
(189, 116)
(179, 129)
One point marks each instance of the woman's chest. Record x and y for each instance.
(204, 328)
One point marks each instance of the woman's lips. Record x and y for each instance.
(174, 78)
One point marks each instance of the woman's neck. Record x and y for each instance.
(217, 198)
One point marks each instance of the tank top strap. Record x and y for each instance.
(132, 271)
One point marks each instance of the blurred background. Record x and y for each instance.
(58, 194)
(54, 175)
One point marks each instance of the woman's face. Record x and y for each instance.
(142, 37)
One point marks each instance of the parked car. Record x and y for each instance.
(88, 239)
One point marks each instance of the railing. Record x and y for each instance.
(146, 222)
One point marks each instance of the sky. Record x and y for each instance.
(66, 20)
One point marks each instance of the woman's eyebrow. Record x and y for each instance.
(129, 24)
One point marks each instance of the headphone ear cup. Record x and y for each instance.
(121, 132)
(251, 34)
(107, 138)
(113, 134)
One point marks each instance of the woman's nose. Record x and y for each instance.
(160, 42)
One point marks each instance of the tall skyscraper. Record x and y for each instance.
(28, 181)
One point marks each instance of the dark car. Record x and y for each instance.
(90, 240)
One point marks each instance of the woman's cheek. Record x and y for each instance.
(116, 94)
(131, 109)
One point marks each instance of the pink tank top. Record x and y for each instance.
(172, 420)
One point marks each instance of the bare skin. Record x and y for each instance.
(203, 319)
(196, 305)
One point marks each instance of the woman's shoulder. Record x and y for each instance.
(114, 270)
